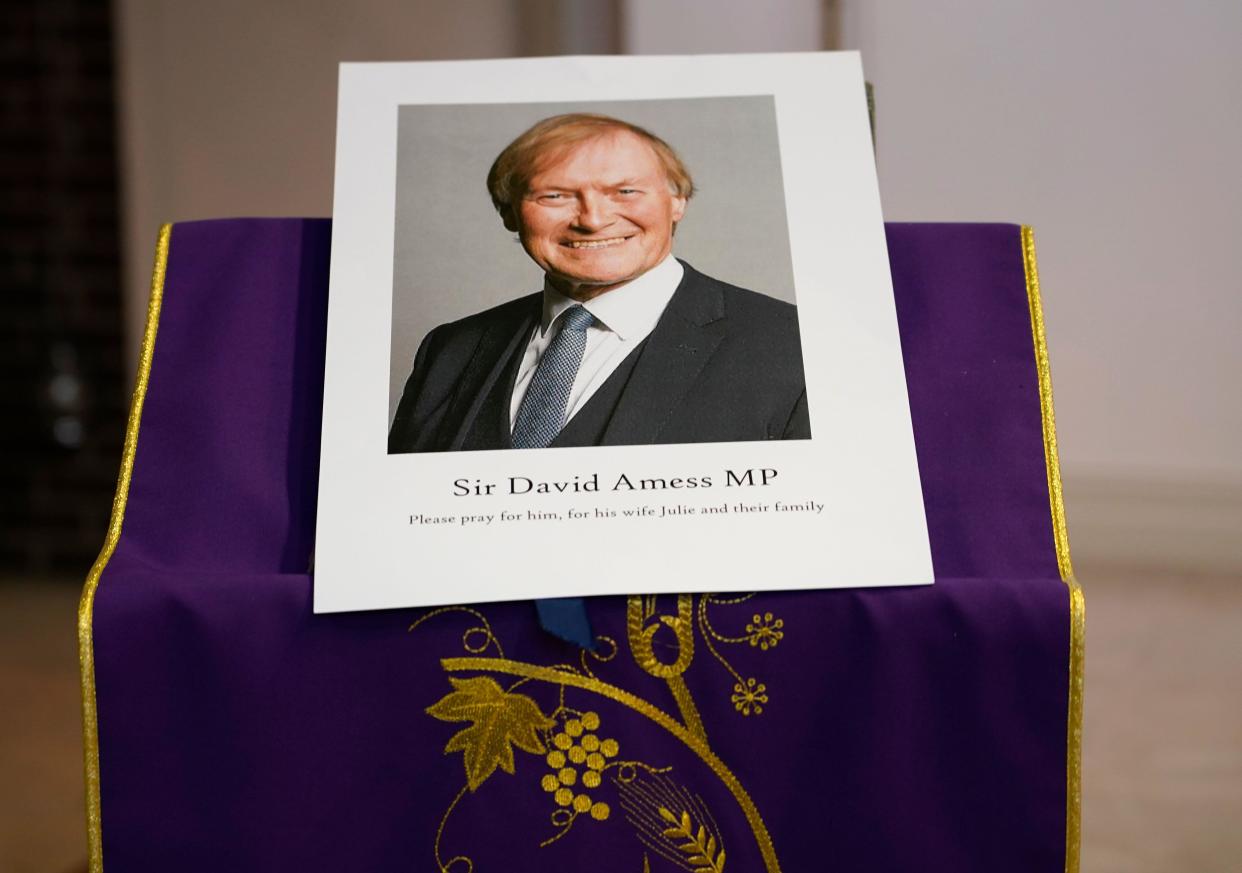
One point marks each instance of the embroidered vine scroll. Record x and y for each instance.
(585, 777)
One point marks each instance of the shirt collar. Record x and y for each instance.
(628, 311)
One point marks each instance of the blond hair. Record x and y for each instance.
(521, 159)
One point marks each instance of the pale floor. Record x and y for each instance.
(1163, 748)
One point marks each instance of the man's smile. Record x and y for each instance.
(596, 243)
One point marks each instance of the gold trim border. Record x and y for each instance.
(1060, 535)
(86, 606)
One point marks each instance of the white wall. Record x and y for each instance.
(651, 27)
(228, 108)
(1113, 127)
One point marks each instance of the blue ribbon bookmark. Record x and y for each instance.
(566, 617)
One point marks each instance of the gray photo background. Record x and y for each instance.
(453, 257)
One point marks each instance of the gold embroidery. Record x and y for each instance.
(692, 741)
(685, 705)
(749, 695)
(664, 815)
(700, 846)
(1060, 533)
(723, 600)
(499, 720)
(577, 745)
(764, 631)
(715, 600)
(575, 755)
(641, 634)
(483, 628)
(86, 607)
(583, 654)
(447, 866)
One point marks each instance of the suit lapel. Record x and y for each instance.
(684, 340)
(488, 366)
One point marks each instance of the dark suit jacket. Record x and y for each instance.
(723, 364)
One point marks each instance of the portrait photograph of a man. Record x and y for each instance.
(620, 310)
(625, 343)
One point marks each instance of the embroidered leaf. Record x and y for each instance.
(499, 721)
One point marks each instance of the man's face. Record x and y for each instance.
(598, 215)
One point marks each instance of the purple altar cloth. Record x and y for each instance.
(908, 729)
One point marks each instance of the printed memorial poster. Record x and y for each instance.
(610, 325)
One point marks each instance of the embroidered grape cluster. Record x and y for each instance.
(577, 760)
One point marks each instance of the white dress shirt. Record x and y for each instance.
(624, 317)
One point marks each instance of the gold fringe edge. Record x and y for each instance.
(86, 607)
(1060, 534)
